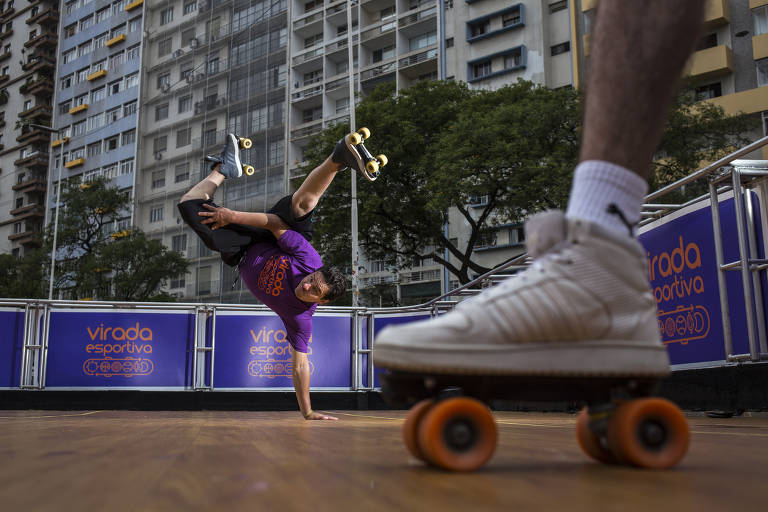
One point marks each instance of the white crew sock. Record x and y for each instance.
(597, 185)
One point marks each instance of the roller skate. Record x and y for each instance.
(351, 153)
(578, 325)
(231, 165)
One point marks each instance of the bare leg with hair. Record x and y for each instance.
(314, 186)
(206, 188)
(637, 58)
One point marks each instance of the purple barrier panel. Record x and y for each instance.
(252, 351)
(379, 323)
(683, 273)
(120, 349)
(11, 344)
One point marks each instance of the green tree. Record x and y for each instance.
(24, 277)
(96, 262)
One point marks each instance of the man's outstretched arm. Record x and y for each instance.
(301, 385)
(219, 217)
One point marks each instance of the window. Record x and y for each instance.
(84, 49)
(81, 100)
(68, 56)
(96, 121)
(132, 52)
(384, 53)
(128, 137)
(166, 16)
(449, 42)
(94, 149)
(313, 40)
(65, 106)
(131, 80)
(161, 112)
(164, 47)
(481, 69)
(511, 18)
(115, 87)
(100, 41)
(761, 20)
(19, 202)
(111, 143)
(111, 116)
(190, 6)
(275, 156)
(709, 91)
(134, 24)
(762, 72)
(81, 75)
(514, 59)
(118, 7)
(98, 94)
(181, 173)
(70, 30)
(422, 41)
(126, 167)
(117, 30)
(103, 14)
(312, 4)
(708, 41)
(98, 66)
(158, 179)
(129, 108)
(185, 103)
(187, 36)
(560, 48)
(183, 137)
(179, 243)
(342, 106)
(312, 114)
(110, 171)
(116, 60)
(160, 144)
(187, 71)
(164, 81)
(558, 6)
(156, 214)
(66, 82)
(479, 28)
(86, 23)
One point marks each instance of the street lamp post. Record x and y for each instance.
(58, 200)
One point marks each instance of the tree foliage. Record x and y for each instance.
(448, 145)
(93, 261)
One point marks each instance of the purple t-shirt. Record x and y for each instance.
(272, 271)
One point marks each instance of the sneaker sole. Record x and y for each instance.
(556, 359)
(356, 154)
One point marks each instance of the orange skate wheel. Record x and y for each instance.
(589, 442)
(411, 427)
(458, 434)
(648, 433)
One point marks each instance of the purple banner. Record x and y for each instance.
(11, 344)
(381, 322)
(120, 349)
(683, 273)
(252, 351)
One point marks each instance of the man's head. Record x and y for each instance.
(322, 286)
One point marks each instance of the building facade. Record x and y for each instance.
(27, 68)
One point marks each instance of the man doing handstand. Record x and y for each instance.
(272, 250)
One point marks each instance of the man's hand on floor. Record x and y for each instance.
(314, 415)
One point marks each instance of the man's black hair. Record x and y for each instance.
(336, 281)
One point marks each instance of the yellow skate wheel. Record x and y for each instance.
(365, 132)
(382, 160)
(245, 143)
(248, 170)
(355, 138)
(372, 166)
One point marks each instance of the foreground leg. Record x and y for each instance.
(206, 188)
(314, 186)
(584, 307)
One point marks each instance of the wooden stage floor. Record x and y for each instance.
(275, 461)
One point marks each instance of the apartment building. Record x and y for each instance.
(97, 95)
(27, 63)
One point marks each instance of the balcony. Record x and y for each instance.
(116, 40)
(7, 13)
(74, 163)
(47, 40)
(4, 78)
(133, 5)
(378, 71)
(28, 209)
(35, 160)
(47, 18)
(711, 62)
(42, 87)
(312, 128)
(37, 113)
(26, 238)
(98, 74)
(34, 183)
(59, 142)
(5, 55)
(41, 61)
(78, 109)
(308, 56)
(31, 135)
(307, 93)
(715, 14)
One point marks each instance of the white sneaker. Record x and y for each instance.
(584, 307)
